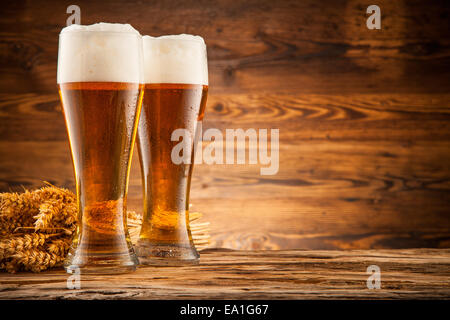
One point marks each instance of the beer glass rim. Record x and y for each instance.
(164, 38)
(124, 33)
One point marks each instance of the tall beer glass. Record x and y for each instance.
(99, 80)
(176, 85)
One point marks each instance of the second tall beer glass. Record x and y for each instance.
(99, 79)
(176, 85)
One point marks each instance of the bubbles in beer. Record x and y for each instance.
(101, 26)
(104, 217)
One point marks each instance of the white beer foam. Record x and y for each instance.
(175, 59)
(102, 52)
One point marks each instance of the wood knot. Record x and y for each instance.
(218, 107)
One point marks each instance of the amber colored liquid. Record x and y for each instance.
(167, 107)
(101, 120)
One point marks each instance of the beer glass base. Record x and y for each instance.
(102, 264)
(166, 255)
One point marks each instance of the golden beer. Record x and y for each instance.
(101, 118)
(165, 235)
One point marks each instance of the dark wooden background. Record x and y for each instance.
(363, 115)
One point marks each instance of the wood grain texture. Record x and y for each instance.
(363, 115)
(221, 274)
(282, 46)
(345, 180)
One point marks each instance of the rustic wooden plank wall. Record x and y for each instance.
(363, 115)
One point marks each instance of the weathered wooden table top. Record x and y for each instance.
(227, 274)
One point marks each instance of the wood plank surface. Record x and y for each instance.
(227, 274)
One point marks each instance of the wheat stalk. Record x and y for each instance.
(37, 260)
(36, 228)
(199, 231)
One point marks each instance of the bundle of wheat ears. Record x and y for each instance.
(37, 227)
